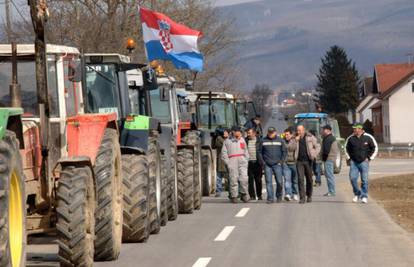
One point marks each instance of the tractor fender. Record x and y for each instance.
(85, 133)
(10, 119)
(128, 150)
(78, 161)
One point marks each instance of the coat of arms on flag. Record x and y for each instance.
(165, 35)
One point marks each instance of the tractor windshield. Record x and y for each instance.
(101, 89)
(160, 108)
(310, 124)
(221, 111)
(242, 113)
(27, 80)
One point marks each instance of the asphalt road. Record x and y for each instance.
(327, 232)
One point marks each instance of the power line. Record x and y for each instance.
(19, 12)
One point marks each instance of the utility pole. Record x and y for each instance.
(8, 21)
(39, 14)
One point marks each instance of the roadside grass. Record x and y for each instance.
(396, 195)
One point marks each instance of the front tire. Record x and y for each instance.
(185, 166)
(154, 161)
(135, 182)
(12, 204)
(75, 216)
(108, 214)
(193, 139)
(206, 172)
(172, 184)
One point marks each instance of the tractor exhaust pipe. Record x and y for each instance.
(15, 92)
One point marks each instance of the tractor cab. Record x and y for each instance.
(245, 111)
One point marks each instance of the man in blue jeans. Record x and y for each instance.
(361, 148)
(289, 171)
(272, 155)
(330, 152)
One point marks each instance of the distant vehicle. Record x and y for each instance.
(315, 121)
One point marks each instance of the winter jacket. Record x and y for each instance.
(218, 145)
(361, 148)
(233, 147)
(313, 148)
(272, 151)
(292, 151)
(330, 148)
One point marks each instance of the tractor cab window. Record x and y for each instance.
(72, 88)
(310, 124)
(220, 111)
(160, 107)
(27, 80)
(242, 113)
(101, 89)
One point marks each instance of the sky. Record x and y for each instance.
(231, 2)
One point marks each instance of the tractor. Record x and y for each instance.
(148, 177)
(69, 181)
(315, 122)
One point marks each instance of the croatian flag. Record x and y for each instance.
(167, 40)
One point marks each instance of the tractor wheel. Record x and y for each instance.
(154, 161)
(172, 184)
(108, 214)
(185, 166)
(135, 182)
(192, 138)
(164, 191)
(12, 204)
(206, 170)
(338, 162)
(75, 216)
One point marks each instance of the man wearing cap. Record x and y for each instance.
(361, 148)
(236, 156)
(329, 154)
(272, 155)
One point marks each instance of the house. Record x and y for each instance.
(368, 100)
(393, 113)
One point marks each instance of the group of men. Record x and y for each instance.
(290, 158)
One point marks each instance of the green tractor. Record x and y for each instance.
(148, 202)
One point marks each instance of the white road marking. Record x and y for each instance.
(224, 233)
(202, 262)
(242, 212)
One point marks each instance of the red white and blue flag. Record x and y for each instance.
(167, 40)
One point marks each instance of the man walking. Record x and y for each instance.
(272, 155)
(235, 155)
(254, 167)
(308, 150)
(329, 154)
(317, 163)
(290, 173)
(222, 134)
(361, 148)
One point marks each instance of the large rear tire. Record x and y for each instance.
(172, 184)
(192, 138)
(12, 204)
(135, 182)
(75, 216)
(154, 161)
(164, 190)
(108, 214)
(185, 166)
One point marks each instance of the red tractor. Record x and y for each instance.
(69, 181)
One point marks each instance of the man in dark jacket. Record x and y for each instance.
(272, 155)
(361, 148)
(254, 168)
(330, 152)
(255, 124)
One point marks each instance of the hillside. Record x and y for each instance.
(282, 41)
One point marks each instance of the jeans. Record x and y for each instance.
(317, 171)
(304, 169)
(357, 169)
(277, 171)
(255, 179)
(329, 174)
(219, 182)
(291, 179)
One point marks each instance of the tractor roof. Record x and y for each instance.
(214, 95)
(99, 58)
(28, 49)
(311, 115)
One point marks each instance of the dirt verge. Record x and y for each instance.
(396, 195)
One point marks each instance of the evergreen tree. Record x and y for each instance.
(338, 82)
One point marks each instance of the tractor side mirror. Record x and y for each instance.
(75, 71)
(189, 86)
